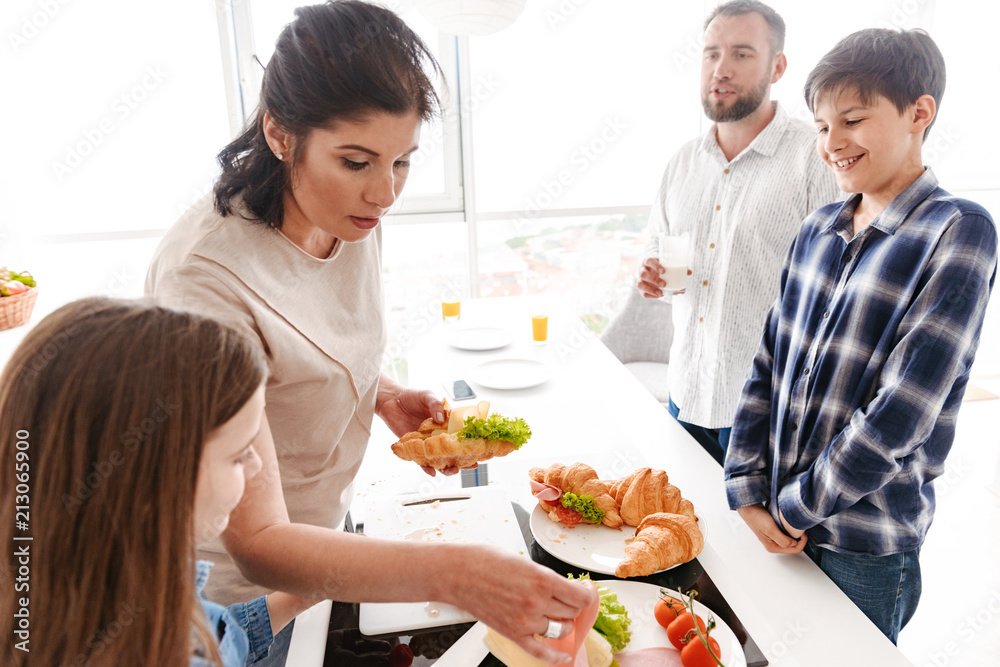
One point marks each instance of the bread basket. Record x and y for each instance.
(16, 310)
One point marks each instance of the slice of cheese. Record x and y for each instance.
(597, 648)
(456, 422)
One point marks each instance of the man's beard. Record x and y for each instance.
(744, 105)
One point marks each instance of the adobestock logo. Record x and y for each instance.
(121, 108)
(479, 92)
(939, 143)
(904, 14)
(116, 287)
(691, 54)
(33, 24)
(966, 637)
(580, 160)
(562, 12)
(130, 441)
(106, 636)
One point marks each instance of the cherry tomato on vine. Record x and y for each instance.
(677, 631)
(667, 610)
(696, 655)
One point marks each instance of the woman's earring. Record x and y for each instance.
(279, 155)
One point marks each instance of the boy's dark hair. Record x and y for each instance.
(898, 65)
(741, 7)
(339, 61)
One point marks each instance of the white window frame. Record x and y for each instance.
(457, 204)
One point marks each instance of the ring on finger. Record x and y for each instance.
(554, 630)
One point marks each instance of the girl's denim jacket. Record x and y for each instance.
(243, 629)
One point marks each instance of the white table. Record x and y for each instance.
(593, 410)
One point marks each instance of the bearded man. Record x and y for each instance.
(739, 193)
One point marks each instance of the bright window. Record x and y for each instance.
(582, 104)
(113, 114)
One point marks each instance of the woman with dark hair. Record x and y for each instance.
(290, 250)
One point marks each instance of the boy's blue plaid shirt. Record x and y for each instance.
(850, 408)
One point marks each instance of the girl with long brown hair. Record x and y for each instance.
(129, 429)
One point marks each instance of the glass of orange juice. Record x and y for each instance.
(451, 311)
(540, 329)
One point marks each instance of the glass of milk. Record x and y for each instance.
(674, 258)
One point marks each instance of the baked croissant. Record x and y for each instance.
(647, 491)
(661, 541)
(581, 479)
(446, 450)
(431, 445)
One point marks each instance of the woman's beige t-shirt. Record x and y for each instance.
(321, 323)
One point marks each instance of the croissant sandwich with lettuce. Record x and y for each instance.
(573, 493)
(469, 435)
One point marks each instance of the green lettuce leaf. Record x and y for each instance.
(584, 505)
(612, 620)
(496, 427)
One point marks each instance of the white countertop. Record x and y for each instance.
(593, 410)
(776, 597)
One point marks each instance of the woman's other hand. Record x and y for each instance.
(404, 409)
(446, 471)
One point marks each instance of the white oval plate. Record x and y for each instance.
(588, 546)
(640, 598)
(479, 338)
(511, 374)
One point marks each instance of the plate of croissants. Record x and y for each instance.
(634, 526)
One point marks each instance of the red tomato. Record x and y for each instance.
(568, 516)
(696, 655)
(401, 655)
(677, 631)
(667, 609)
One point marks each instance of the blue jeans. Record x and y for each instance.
(885, 588)
(715, 441)
(279, 648)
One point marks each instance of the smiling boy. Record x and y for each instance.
(851, 404)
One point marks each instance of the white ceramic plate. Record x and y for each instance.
(640, 598)
(591, 547)
(479, 338)
(511, 374)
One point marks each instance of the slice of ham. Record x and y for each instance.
(658, 656)
(572, 644)
(544, 491)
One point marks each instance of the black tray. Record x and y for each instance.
(347, 647)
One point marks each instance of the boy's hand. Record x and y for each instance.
(794, 532)
(768, 532)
